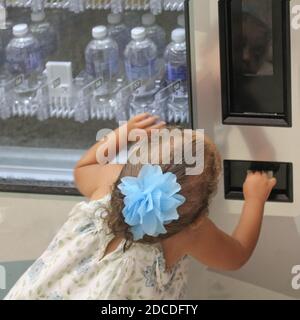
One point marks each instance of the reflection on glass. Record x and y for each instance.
(255, 59)
(257, 44)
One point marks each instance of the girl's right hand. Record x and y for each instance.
(145, 122)
(258, 186)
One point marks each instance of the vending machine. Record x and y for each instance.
(69, 68)
(246, 58)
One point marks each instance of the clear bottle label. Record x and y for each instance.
(176, 72)
(140, 72)
(25, 62)
(105, 67)
(34, 61)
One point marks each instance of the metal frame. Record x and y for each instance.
(228, 117)
(40, 180)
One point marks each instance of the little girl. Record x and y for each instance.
(133, 238)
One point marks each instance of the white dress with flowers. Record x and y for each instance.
(72, 268)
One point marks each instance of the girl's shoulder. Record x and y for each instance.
(91, 208)
(95, 202)
(100, 200)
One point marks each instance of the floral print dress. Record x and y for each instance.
(73, 266)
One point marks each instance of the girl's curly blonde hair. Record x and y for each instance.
(198, 190)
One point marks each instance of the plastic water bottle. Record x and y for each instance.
(44, 32)
(102, 62)
(118, 31)
(2, 54)
(181, 21)
(140, 56)
(141, 64)
(5, 34)
(23, 56)
(5, 27)
(132, 19)
(102, 55)
(156, 33)
(176, 70)
(5, 76)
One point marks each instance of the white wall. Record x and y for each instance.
(29, 222)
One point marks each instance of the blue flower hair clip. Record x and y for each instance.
(151, 201)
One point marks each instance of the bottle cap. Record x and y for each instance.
(20, 30)
(114, 18)
(148, 19)
(181, 20)
(138, 33)
(178, 35)
(38, 16)
(99, 32)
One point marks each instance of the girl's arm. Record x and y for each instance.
(92, 172)
(216, 249)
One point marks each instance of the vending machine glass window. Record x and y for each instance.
(255, 60)
(71, 68)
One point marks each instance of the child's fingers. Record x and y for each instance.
(265, 175)
(272, 183)
(253, 172)
(249, 173)
(147, 122)
(141, 117)
(160, 125)
(258, 173)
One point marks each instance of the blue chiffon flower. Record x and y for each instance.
(151, 201)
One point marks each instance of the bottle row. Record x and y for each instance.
(117, 6)
(126, 72)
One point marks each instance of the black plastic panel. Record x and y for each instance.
(235, 173)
